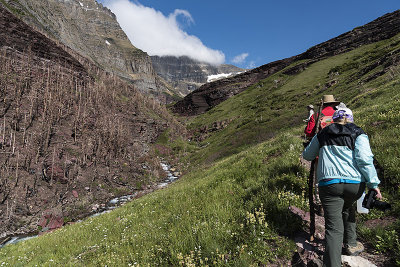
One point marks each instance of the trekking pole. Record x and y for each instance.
(311, 200)
(311, 178)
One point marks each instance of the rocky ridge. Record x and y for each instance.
(186, 74)
(93, 31)
(211, 94)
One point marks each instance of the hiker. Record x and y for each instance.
(328, 108)
(329, 105)
(310, 123)
(345, 166)
(310, 109)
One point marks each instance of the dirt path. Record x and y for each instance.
(311, 252)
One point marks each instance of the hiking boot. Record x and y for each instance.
(354, 251)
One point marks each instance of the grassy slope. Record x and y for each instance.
(266, 108)
(233, 210)
(205, 213)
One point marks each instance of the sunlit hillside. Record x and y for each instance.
(231, 206)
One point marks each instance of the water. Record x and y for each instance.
(16, 239)
(111, 205)
(170, 177)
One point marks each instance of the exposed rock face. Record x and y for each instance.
(71, 135)
(15, 35)
(93, 31)
(210, 95)
(186, 74)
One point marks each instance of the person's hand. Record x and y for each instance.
(378, 193)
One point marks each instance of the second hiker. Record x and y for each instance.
(328, 108)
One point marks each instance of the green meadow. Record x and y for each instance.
(231, 206)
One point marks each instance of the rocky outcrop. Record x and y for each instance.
(186, 74)
(210, 95)
(93, 31)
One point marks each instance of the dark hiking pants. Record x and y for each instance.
(338, 201)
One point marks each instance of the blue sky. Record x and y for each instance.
(255, 32)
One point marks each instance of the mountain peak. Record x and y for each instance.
(186, 74)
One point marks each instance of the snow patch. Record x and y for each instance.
(215, 77)
(212, 78)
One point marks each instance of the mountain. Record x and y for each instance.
(243, 175)
(72, 136)
(211, 94)
(93, 31)
(186, 74)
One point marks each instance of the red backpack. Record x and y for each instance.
(310, 128)
(324, 121)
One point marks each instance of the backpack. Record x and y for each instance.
(310, 128)
(326, 117)
(325, 121)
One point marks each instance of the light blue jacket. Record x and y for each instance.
(344, 153)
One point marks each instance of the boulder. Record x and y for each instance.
(56, 222)
(356, 261)
(51, 219)
(75, 193)
(95, 207)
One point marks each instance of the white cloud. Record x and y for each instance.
(185, 13)
(156, 34)
(240, 58)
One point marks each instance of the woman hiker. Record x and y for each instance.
(345, 166)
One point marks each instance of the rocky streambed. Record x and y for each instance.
(99, 209)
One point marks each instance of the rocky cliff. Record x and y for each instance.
(71, 135)
(93, 31)
(211, 94)
(186, 74)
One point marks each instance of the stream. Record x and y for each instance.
(108, 207)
